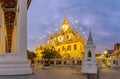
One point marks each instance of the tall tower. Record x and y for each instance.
(89, 61)
(14, 37)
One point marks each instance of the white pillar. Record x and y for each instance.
(119, 62)
(71, 62)
(22, 29)
(111, 61)
(17, 63)
(62, 62)
(55, 62)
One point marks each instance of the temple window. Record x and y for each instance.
(75, 47)
(69, 47)
(89, 53)
(59, 50)
(63, 48)
(68, 37)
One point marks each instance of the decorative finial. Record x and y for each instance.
(50, 31)
(65, 14)
(56, 29)
(76, 27)
(76, 21)
(80, 28)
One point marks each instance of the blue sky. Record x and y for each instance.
(102, 17)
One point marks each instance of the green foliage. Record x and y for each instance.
(31, 55)
(104, 59)
(50, 54)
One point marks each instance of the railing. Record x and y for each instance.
(99, 63)
(68, 62)
(115, 62)
(64, 62)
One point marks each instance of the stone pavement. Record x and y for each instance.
(108, 73)
(67, 73)
(52, 73)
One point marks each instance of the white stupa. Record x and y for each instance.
(89, 61)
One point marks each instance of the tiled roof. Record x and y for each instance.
(110, 51)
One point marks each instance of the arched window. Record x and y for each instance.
(75, 46)
(89, 53)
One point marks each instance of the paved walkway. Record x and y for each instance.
(52, 73)
(108, 73)
(66, 73)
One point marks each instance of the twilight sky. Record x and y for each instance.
(102, 17)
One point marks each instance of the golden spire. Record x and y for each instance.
(65, 19)
(65, 24)
(65, 15)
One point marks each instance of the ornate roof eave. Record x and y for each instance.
(28, 3)
(70, 42)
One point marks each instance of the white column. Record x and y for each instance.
(71, 62)
(17, 64)
(22, 29)
(55, 62)
(119, 62)
(62, 62)
(111, 63)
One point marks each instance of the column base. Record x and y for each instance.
(89, 67)
(11, 65)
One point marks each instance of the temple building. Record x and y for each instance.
(67, 42)
(116, 52)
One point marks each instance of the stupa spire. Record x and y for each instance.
(90, 40)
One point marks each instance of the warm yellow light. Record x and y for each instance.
(105, 52)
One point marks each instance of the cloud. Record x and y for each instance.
(100, 16)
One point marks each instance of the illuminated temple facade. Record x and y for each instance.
(67, 42)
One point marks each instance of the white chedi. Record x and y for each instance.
(89, 63)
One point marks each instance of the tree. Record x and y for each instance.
(31, 55)
(49, 53)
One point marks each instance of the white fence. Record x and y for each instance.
(113, 63)
(64, 62)
(68, 62)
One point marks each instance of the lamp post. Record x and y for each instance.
(105, 56)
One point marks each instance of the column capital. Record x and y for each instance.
(9, 9)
